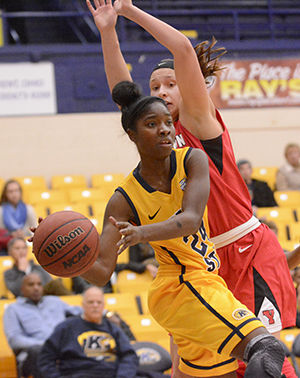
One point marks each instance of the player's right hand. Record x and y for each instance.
(105, 16)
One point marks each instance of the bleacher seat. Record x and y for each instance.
(107, 180)
(88, 196)
(124, 257)
(98, 208)
(288, 198)
(281, 214)
(289, 245)
(7, 357)
(6, 262)
(145, 328)
(31, 183)
(267, 174)
(294, 231)
(78, 207)
(2, 182)
(41, 210)
(131, 282)
(68, 181)
(48, 197)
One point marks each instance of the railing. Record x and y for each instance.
(228, 24)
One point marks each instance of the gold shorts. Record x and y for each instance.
(204, 318)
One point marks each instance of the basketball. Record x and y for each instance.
(66, 244)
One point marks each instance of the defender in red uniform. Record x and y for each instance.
(246, 247)
(252, 262)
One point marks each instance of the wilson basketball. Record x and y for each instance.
(66, 244)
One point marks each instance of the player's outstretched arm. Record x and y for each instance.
(105, 18)
(187, 222)
(101, 271)
(196, 112)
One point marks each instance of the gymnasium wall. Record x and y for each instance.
(96, 143)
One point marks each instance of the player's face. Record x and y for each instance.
(32, 287)
(18, 249)
(155, 132)
(13, 193)
(93, 305)
(163, 84)
(293, 156)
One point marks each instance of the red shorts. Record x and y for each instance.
(256, 271)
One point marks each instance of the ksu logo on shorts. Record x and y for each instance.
(240, 313)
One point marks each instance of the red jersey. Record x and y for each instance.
(229, 203)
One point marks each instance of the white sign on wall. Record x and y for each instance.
(27, 89)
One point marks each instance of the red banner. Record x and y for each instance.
(257, 84)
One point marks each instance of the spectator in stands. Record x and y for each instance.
(31, 319)
(141, 258)
(88, 346)
(18, 250)
(260, 192)
(15, 216)
(142, 254)
(288, 176)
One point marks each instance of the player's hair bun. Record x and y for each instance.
(126, 93)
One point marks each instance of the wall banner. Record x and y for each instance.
(257, 83)
(27, 89)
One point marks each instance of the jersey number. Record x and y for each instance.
(200, 247)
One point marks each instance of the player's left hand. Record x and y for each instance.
(131, 235)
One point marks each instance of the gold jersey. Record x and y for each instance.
(152, 206)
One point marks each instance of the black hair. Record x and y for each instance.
(208, 57)
(132, 102)
(164, 63)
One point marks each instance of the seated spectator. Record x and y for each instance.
(30, 321)
(88, 346)
(288, 176)
(141, 258)
(18, 250)
(15, 216)
(143, 255)
(260, 192)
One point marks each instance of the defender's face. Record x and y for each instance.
(163, 84)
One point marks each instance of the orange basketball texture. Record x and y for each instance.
(66, 244)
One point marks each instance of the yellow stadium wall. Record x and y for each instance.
(96, 143)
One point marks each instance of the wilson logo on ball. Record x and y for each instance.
(76, 258)
(62, 240)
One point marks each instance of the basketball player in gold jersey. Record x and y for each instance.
(162, 202)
